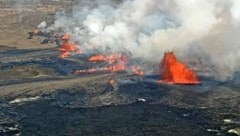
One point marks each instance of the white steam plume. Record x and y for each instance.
(42, 25)
(147, 28)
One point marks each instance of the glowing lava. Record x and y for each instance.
(173, 71)
(35, 31)
(137, 70)
(67, 47)
(117, 63)
(99, 57)
(112, 82)
(66, 36)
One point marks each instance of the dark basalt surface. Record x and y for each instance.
(42, 118)
(47, 98)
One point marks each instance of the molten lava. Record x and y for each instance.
(112, 82)
(35, 31)
(66, 36)
(173, 71)
(67, 48)
(99, 57)
(117, 63)
(137, 70)
(112, 58)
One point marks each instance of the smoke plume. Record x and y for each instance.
(194, 29)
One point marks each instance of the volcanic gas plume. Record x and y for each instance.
(147, 28)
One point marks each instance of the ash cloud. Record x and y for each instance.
(192, 29)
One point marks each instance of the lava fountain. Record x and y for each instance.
(174, 71)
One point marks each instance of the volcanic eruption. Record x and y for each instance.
(148, 28)
(116, 62)
(174, 71)
(120, 39)
(67, 47)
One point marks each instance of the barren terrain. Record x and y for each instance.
(41, 95)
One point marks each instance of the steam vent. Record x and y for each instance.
(174, 71)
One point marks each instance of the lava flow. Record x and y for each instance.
(137, 70)
(173, 71)
(116, 63)
(67, 47)
(96, 58)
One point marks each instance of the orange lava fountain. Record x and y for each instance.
(173, 71)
